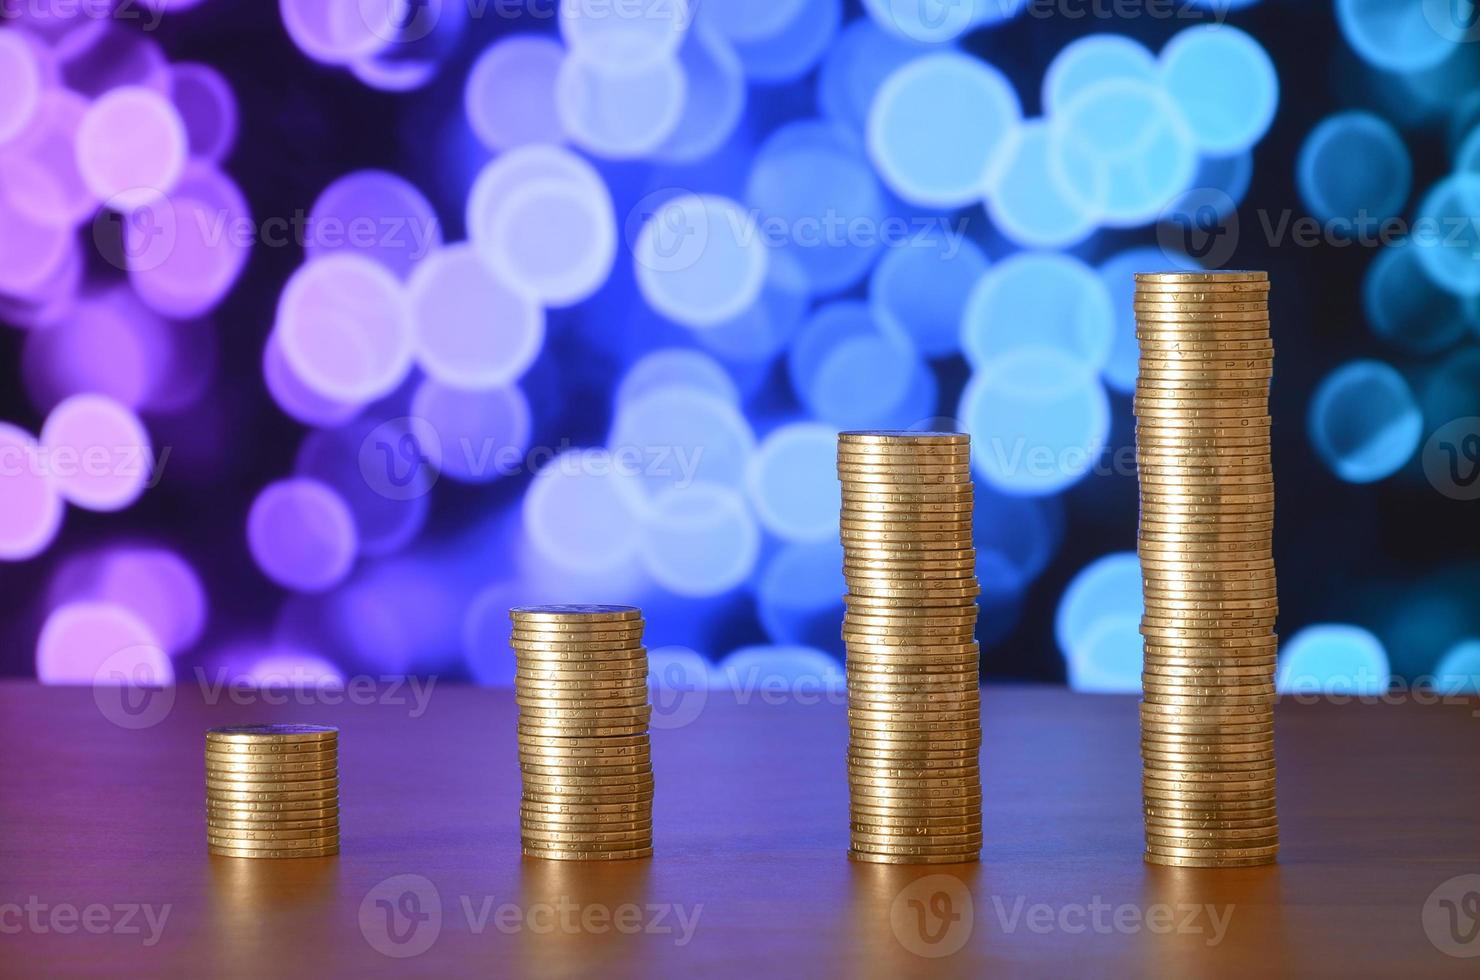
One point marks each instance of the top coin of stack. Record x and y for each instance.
(581, 687)
(1207, 517)
(272, 791)
(914, 722)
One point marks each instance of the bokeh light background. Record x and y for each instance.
(336, 327)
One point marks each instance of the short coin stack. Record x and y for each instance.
(914, 705)
(272, 791)
(581, 686)
(1207, 516)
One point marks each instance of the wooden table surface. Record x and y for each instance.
(1379, 805)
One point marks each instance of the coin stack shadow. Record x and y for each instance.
(914, 702)
(581, 686)
(1207, 518)
(272, 791)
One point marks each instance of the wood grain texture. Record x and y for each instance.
(1379, 805)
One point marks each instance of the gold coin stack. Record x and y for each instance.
(272, 791)
(581, 686)
(914, 704)
(1207, 516)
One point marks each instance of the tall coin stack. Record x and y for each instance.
(272, 791)
(914, 705)
(1207, 516)
(581, 686)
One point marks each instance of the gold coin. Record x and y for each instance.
(1180, 714)
(217, 752)
(547, 713)
(275, 835)
(531, 659)
(1171, 850)
(906, 526)
(222, 851)
(580, 685)
(1204, 341)
(315, 779)
(1185, 862)
(962, 626)
(946, 729)
(890, 843)
(551, 854)
(273, 809)
(280, 735)
(579, 676)
(1220, 844)
(908, 636)
(1167, 305)
(859, 742)
(902, 437)
(1167, 781)
(913, 451)
(639, 749)
(613, 648)
(1220, 407)
(919, 479)
(592, 839)
(271, 770)
(870, 606)
(580, 613)
(965, 857)
(1213, 825)
(934, 684)
(946, 567)
(538, 766)
(573, 706)
(945, 494)
(565, 641)
(631, 781)
(876, 650)
(1232, 819)
(240, 782)
(868, 810)
(960, 511)
(563, 743)
(608, 632)
(1206, 317)
(916, 851)
(229, 798)
(909, 538)
(890, 624)
(599, 795)
(628, 820)
(573, 730)
(236, 828)
(849, 465)
(1231, 278)
(1233, 810)
(1262, 669)
(582, 809)
(1258, 760)
(923, 590)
